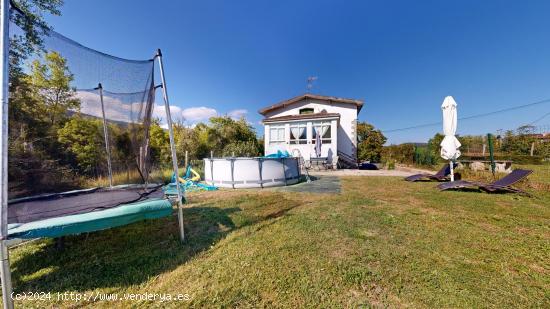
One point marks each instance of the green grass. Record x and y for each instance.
(541, 173)
(382, 242)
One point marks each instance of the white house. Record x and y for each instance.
(292, 125)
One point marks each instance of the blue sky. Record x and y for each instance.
(401, 57)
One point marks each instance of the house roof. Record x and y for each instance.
(542, 136)
(328, 99)
(301, 117)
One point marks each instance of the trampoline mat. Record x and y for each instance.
(54, 205)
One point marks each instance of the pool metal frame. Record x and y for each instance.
(287, 179)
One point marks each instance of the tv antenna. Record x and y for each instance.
(310, 81)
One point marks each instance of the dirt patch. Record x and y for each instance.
(372, 295)
(489, 227)
(539, 269)
(350, 172)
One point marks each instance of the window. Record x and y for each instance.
(323, 129)
(298, 133)
(304, 111)
(276, 134)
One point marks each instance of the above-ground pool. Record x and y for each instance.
(251, 172)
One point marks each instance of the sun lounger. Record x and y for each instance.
(439, 176)
(503, 185)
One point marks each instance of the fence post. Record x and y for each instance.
(186, 159)
(491, 152)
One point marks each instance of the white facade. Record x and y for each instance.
(336, 122)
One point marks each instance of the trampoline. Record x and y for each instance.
(82, 211)
(107, 97)
(119, 94)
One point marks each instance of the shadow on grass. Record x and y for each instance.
(322, 184)
(133, 254)
(474, 190)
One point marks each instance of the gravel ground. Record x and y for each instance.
(398, 172)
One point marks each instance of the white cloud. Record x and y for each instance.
(191, 116)
(196, 114)
(118, 110)
(115, 109)
(159, 112)
(237, 113)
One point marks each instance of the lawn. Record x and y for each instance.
(381, 242)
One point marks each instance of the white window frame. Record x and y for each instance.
(299, 125)
(320, 124)
(277, 128)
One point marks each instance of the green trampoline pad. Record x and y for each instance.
(92, 221)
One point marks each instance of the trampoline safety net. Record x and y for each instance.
(76, 113)
(83, 135)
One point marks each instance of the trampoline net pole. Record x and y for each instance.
(5, 271)
(106, 136)
(172, 144)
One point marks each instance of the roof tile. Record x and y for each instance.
(302, 117)
(329, 99)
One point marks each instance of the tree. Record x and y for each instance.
(24, 125)
(121, 147)
(261, 145)
(51, 89)
(402, 153)
(519, 142)
(474, 143)
(83, 139)
(370, 142)
(241, 149)
(434, 144)
(186, 140)
(159, 144)
(223, 135)
(203, 144)
(40, 103)
(224, 130)
(24, 128)
(543, 149)
(24, 44)
(34, 27)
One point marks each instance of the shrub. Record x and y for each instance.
(424, 156)
(403, 153)
(370, 142)
(241, 149)
(517, 159)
